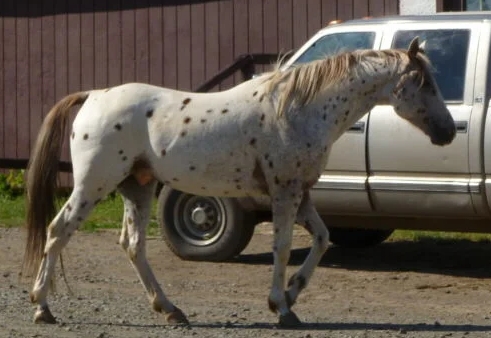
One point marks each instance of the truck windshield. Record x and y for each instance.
(337, 43)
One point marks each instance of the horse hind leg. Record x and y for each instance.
(137, 207)
(59, 232)
(311, 221)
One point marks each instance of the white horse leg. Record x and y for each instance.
(137, 207)
(311, 221)
(59, 232)
(285, 202)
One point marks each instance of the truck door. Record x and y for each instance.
(407, 174)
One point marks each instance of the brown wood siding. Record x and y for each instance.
(50, 48)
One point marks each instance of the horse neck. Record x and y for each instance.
(365, 86)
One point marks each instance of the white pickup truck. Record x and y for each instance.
(382, 174)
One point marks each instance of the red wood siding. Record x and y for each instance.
(50, 48)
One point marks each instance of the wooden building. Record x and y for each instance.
(49, 48)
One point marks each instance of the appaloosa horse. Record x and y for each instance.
(270, 135)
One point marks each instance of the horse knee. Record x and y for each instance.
(322, 239)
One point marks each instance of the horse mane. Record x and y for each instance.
(304, 82)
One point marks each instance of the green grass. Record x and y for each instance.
(108, 214)
(419, 235)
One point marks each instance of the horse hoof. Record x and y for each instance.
(289, 320)
(177, 317)
(44, 316)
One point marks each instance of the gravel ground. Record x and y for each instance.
(423, 289)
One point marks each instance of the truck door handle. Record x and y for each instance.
(358, 127)
(461, 126)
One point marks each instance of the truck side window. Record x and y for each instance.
(337, 43)
(447, 50)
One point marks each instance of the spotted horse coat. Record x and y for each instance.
(268, 136)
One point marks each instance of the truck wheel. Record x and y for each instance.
(203, 228)
(358, 238)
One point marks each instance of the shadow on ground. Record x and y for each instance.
(448, 257)
(353, 326)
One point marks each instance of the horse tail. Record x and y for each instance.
(41, 179)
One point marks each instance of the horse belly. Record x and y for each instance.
(208, 173)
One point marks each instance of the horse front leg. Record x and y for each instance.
(285, 202)
(137, 207)
(311, 221)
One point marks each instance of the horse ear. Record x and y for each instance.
(413, 49)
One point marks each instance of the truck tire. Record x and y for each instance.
(358, 238)
(203, 228)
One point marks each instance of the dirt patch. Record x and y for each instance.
(422, 289)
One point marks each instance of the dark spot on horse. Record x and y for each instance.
(224, 111)
(238, 187)
(270, 164)
(67, 224)
(149, 113)
(99, 189)
(187, 120)
(237, 170)
(186, 101)
(320, 239)
(237, 180)
(324, 117)
(252, 142)
(275, 248)
(97, 201)
(262, 117)
(337, 97)
(203, 120)
(276, 180)
(346, 113)
(345, 99)
(433, 92)
(308, 145)
(118, 126)
(121, 152)
(124, 158)
(192, 168)
(363, 81)
(334, 106)
(295, 205)
(272, 306)
(209, 111)
(336, 122)
(163, 152)
(203, 188)
(266, 156)
(324, 107)
(79, 219)
(258, 176)
(225, 192)
(86, 136)
(276, 230)
(183, 133)
(299, 164)
(261, 98)
(130, 220)
(175, 179)
(69, 207)
(73, 135)
(84, 203)
(255, 93)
